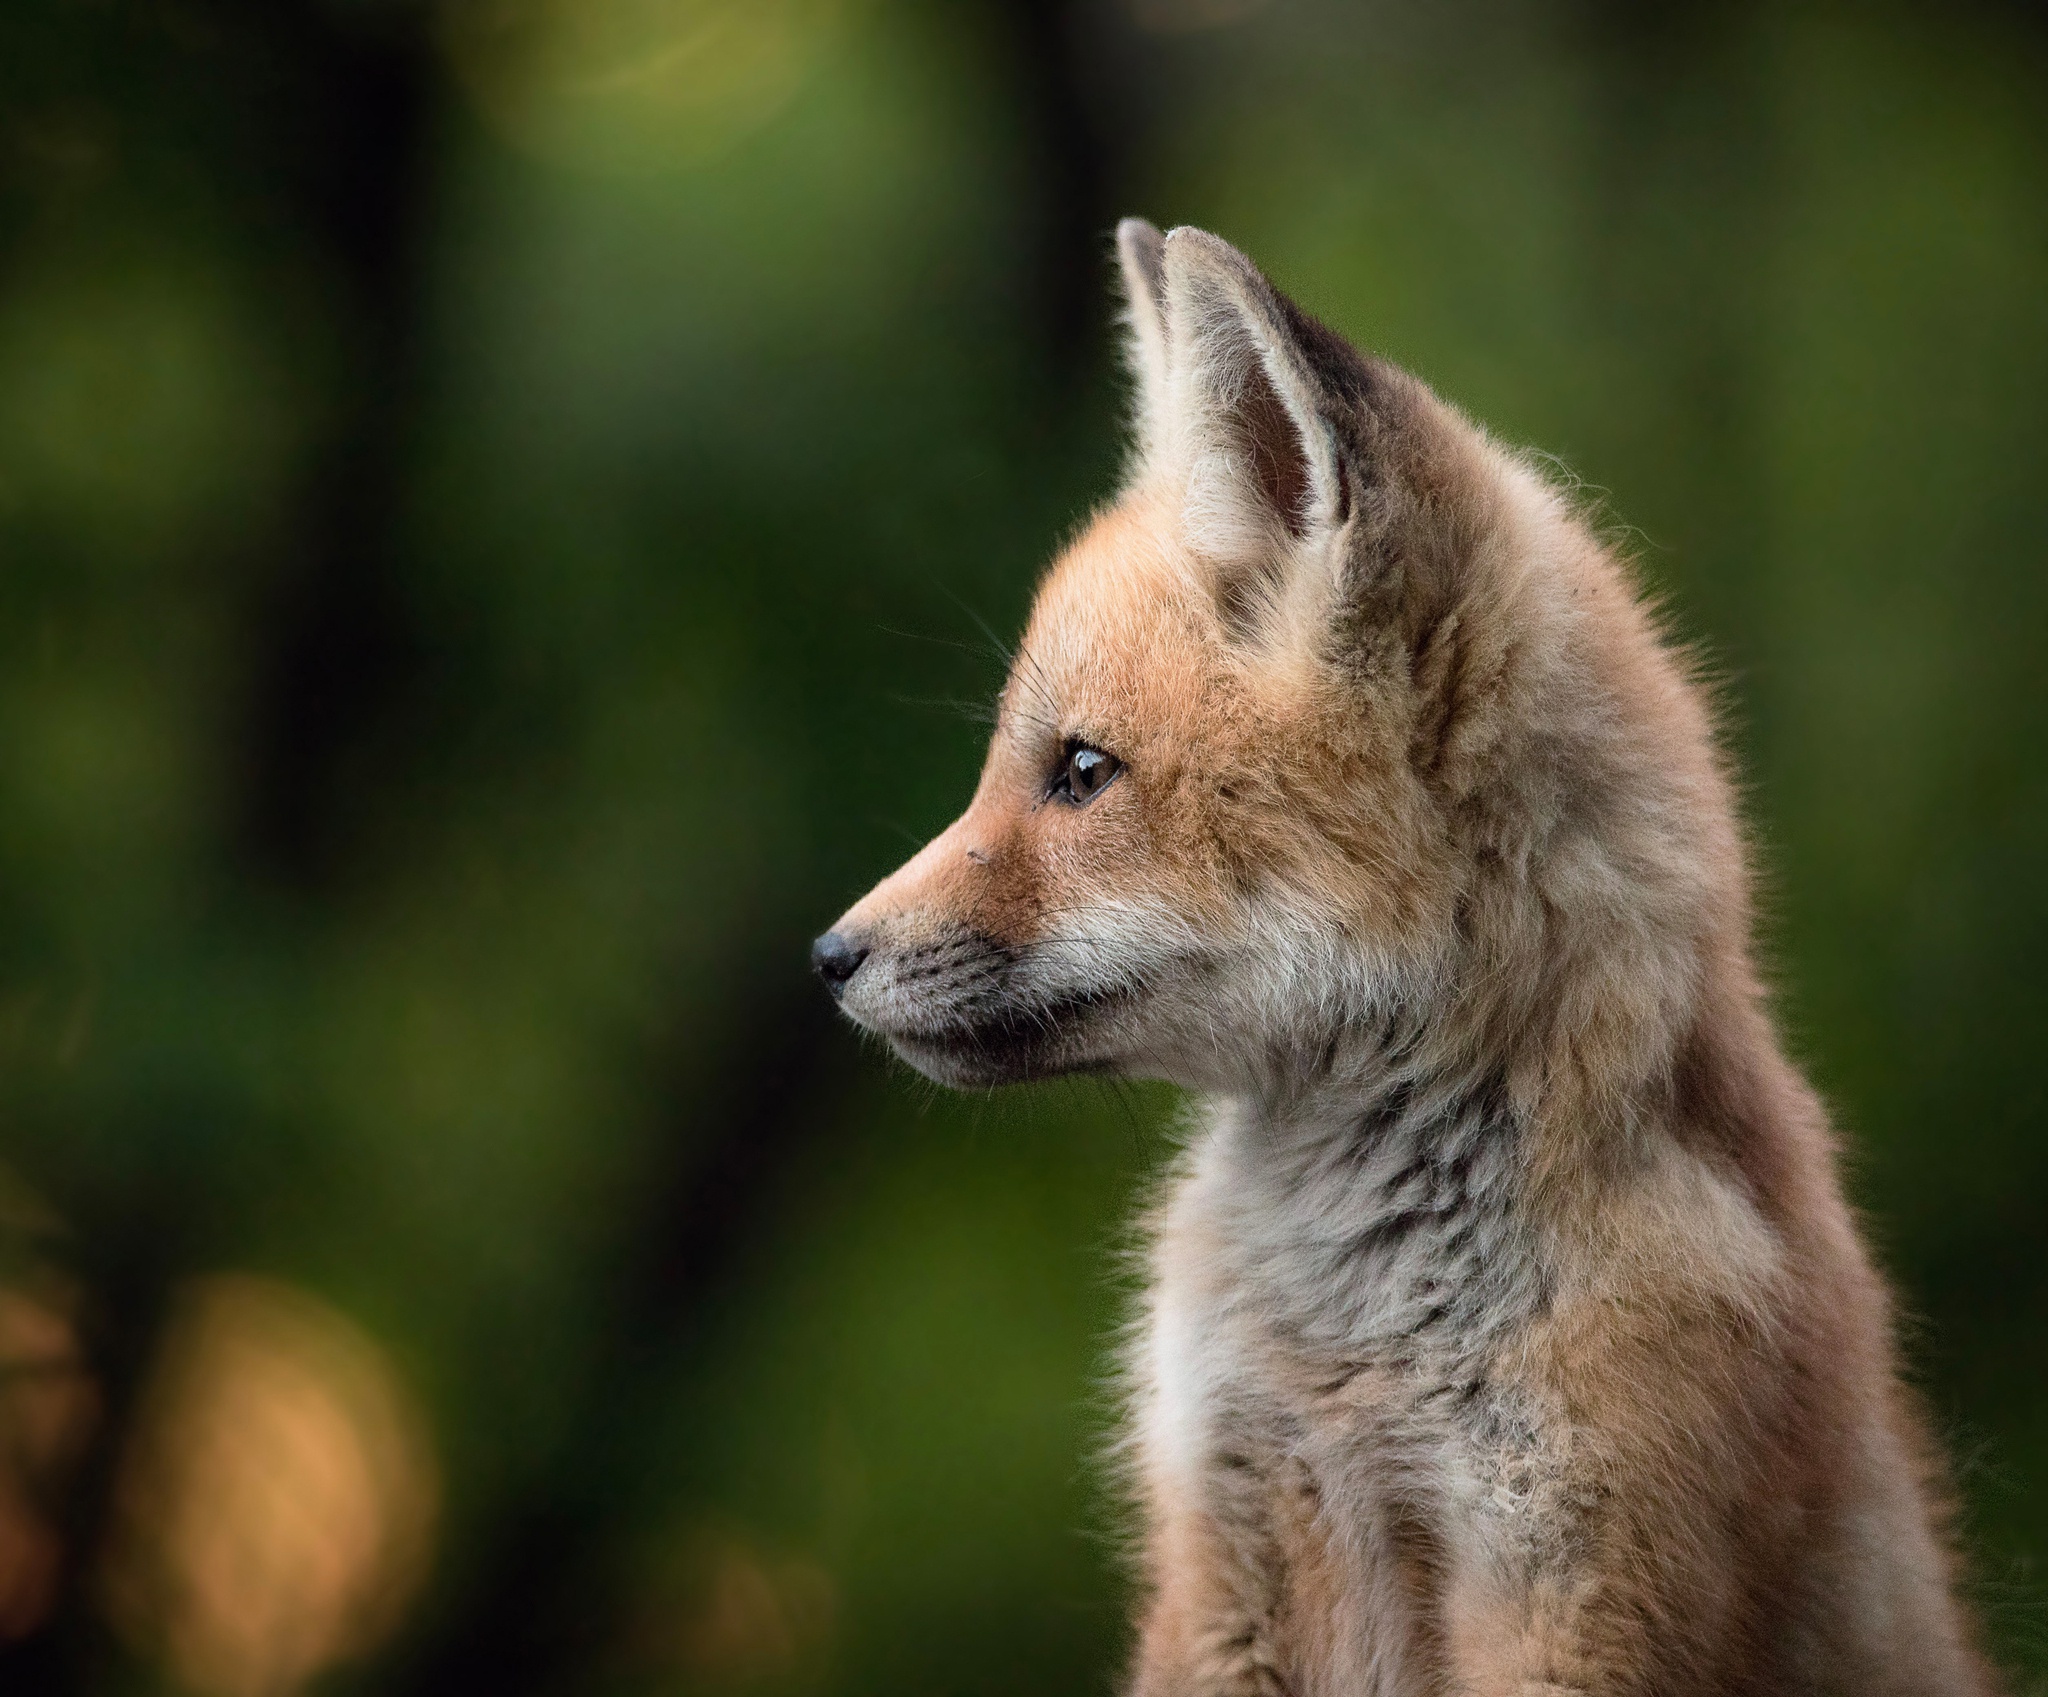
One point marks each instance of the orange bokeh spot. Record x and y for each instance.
(275, 1507)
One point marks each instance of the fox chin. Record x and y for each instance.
(1507, 1330)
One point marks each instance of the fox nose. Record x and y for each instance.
(836, 959)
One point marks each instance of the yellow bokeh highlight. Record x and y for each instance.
(631, 86)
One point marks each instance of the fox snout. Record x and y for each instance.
(835, 958)
(962, 1007)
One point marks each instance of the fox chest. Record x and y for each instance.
(1376, 1349)
(1319, 1389)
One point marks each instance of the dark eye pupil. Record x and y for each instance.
(1088, 769)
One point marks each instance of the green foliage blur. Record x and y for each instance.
(496, 500)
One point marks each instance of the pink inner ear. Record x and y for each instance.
(1275, 447)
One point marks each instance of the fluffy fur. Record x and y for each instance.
(1508, 1332)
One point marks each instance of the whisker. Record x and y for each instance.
(980, 624)
(981, 712)
(901, 830)
(953, 643)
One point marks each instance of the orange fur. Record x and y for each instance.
(1508, 1330)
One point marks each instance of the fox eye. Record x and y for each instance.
(1084, 774)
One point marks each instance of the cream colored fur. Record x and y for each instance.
(1507, 1330)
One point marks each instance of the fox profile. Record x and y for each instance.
(1507, 1329)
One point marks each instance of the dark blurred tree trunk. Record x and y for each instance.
(1077, 142)
(335, 645)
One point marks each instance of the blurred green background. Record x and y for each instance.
(495, 502)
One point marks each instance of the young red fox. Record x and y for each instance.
(1508, 1332)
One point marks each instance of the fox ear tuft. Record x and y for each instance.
(1319, 490)
(1141, 256)
(1232, 408)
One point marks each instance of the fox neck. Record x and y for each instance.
(1375, 1070)
(1380, 1206)
(1456, 1047)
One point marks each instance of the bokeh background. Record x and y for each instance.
(499, 504)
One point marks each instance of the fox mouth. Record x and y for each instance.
(965, 1012)
(1013, 1045)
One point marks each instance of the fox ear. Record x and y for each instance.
(1235, 409)
(1141, 256)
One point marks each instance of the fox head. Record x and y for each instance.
(1334, 704)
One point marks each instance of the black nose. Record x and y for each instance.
(836, 959)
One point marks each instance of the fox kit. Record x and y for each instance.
(1507, 1330)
